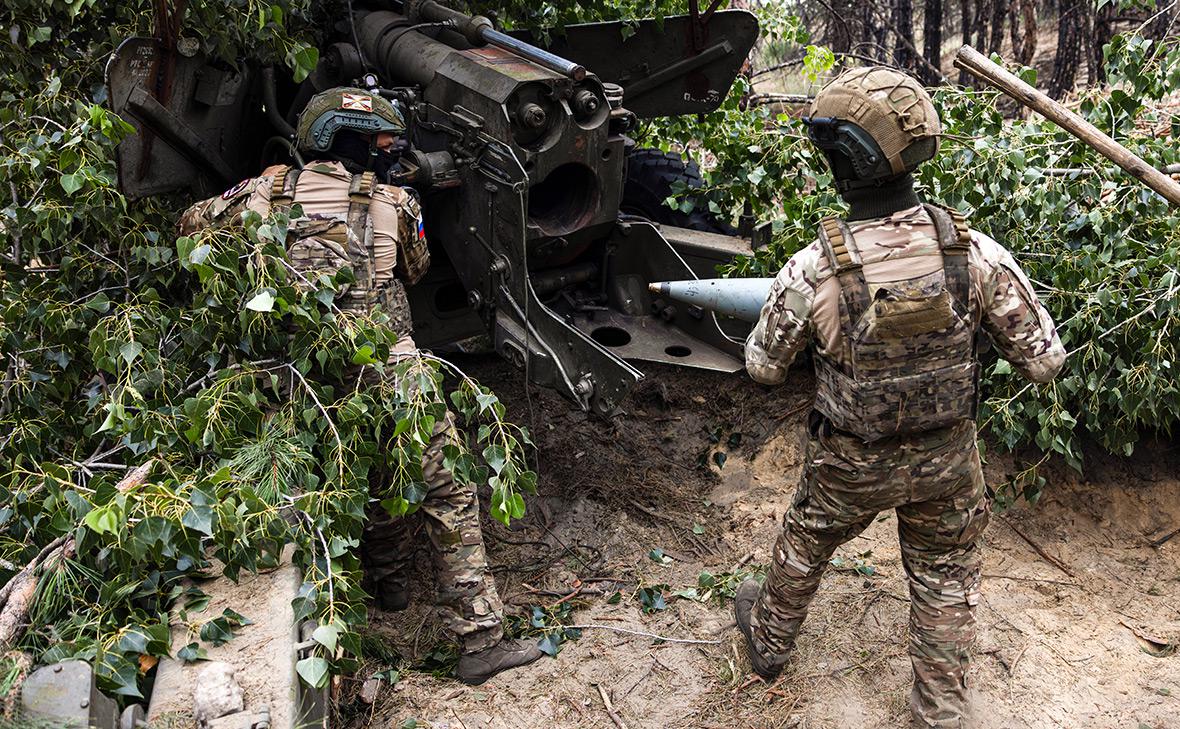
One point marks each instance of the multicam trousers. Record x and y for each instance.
(467, 597)
(935, 482)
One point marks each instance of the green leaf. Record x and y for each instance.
(192, 652)
(199, 254)
(217, 631)
(130, 351)
(326, 636)
(364, 356)
(263, 301)
(313, 671)
(199, 518)
(72, 183)
(105, 519)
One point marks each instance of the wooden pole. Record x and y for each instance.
(976, 63)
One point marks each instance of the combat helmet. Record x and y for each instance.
(354, 109)
(873, 124)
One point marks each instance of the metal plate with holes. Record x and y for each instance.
(651, 339)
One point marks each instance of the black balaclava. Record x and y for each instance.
(359, 153)
(871, 199)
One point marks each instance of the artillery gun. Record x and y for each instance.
(523, 160)
(541, 214)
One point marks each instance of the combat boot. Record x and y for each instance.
(475, 668)
(392, 596)
(743, 608)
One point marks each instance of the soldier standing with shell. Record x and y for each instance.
(891, 300)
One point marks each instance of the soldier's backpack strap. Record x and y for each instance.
(844, 258)
(954, 238)
(282, 189)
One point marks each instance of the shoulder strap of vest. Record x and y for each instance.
(954, 238)
(360, 196)
(844, 257)
(282, 189)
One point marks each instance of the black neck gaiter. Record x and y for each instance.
(879, 201)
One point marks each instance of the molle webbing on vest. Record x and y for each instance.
(360, 240)
(911, 363)
(954, 238)
(844, 258)
(282, 189)
(360, 195)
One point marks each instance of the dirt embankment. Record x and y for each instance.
(1080, 614)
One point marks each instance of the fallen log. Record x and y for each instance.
(982, 67)
(21, 589)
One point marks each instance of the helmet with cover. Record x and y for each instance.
(873, 124)
(352, 109)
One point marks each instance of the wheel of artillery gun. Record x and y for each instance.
(650, 176)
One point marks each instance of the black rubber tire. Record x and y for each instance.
(650, 175)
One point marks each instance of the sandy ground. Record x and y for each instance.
(1081, 637)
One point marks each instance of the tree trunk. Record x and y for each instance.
(1164, 25)
(983, 12)
(967, 19)
(1070, 33)
(903, 25)
(1103, 33)
(876, 33)
(838, 33)
(999, 11)
(1024, 42)
(932, 39)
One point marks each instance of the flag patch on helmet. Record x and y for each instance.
(356, 102)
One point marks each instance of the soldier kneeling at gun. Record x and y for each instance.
(348, 136)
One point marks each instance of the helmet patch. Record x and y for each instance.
(356, 102)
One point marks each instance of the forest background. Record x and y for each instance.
(154, 408)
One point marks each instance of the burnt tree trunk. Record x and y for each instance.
(876, 32)
(983, 13)
(996, 39)
(1103, 33)
(838, 33)
(1023, 13)
(932, 39)
(1164, 24)
(903, 26)
(1070, 35)
(967, 24)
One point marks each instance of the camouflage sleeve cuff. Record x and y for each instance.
(1044, 367)
(761, 368)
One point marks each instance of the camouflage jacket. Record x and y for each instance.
(803, 306)
(384, 244)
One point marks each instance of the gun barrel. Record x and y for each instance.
(538, 56)
(477, 28)
(741, 298)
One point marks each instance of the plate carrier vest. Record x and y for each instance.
(326, 245)
(913, 364)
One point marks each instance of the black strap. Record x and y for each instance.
(844, 258)
(954, 239)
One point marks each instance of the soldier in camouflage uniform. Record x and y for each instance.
(891, 299)
(351, 219)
